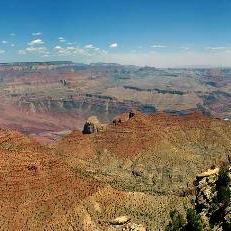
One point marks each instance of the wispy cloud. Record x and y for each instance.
(62, 39)
(89, 46)
(185, 48)
(87, 51)
(36, 34)
(159, 46)
(4, 42)
(169, 59)
(35, 50)
(2, 51)
(216, 48)
(114, 45)
(36, 42)
(39, 50)
(12, 34)
(21, 52)
(58, 47)
(68, 51)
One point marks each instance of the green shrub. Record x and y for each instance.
(194, 221)
(226, 226)
(222, 187)
(177, 221)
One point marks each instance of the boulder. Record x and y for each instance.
(120, 220)
(93, 125)
(208, 173)
(134, 227)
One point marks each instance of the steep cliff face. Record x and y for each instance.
(213, 198)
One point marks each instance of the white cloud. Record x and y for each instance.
(185, 48)
(71, 48)
(36, 42)
(2, 51)
(35, 50)
(61, 39)
(31, 49)
(40, 50)
(12, 45)
(216, 48)
(89, 46)
(169, 59)
(68, 51)
(113, 45)
(21, 52)
(36, 34)
(87, 51)
(58, 47)
(12, 34)
(159, 46)
(4, 42)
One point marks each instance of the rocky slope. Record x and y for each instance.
(213, 198)
(150, 152)
(135, 171)
(37, 188)
(211, 204)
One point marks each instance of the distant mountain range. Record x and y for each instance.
(46, 98)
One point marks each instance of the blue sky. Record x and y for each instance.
(142, 32)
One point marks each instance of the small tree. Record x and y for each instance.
(222, 186)
(194, 221)
(177, 221)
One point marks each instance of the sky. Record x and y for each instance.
(167, 33)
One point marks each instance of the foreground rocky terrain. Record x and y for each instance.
(48, 100)
(128, 176)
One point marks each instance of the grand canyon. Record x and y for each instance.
(48, 100)
(115, 115)
(155, 131)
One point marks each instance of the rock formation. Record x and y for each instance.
(93, 125)
(212, 200)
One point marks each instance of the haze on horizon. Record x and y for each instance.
(150, 32)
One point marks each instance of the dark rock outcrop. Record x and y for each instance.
(92, 125)
(215, 213)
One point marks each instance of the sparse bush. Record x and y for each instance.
(194, 221)
(177, 222)
(216, 213)
(222, 187)
(226, 226)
